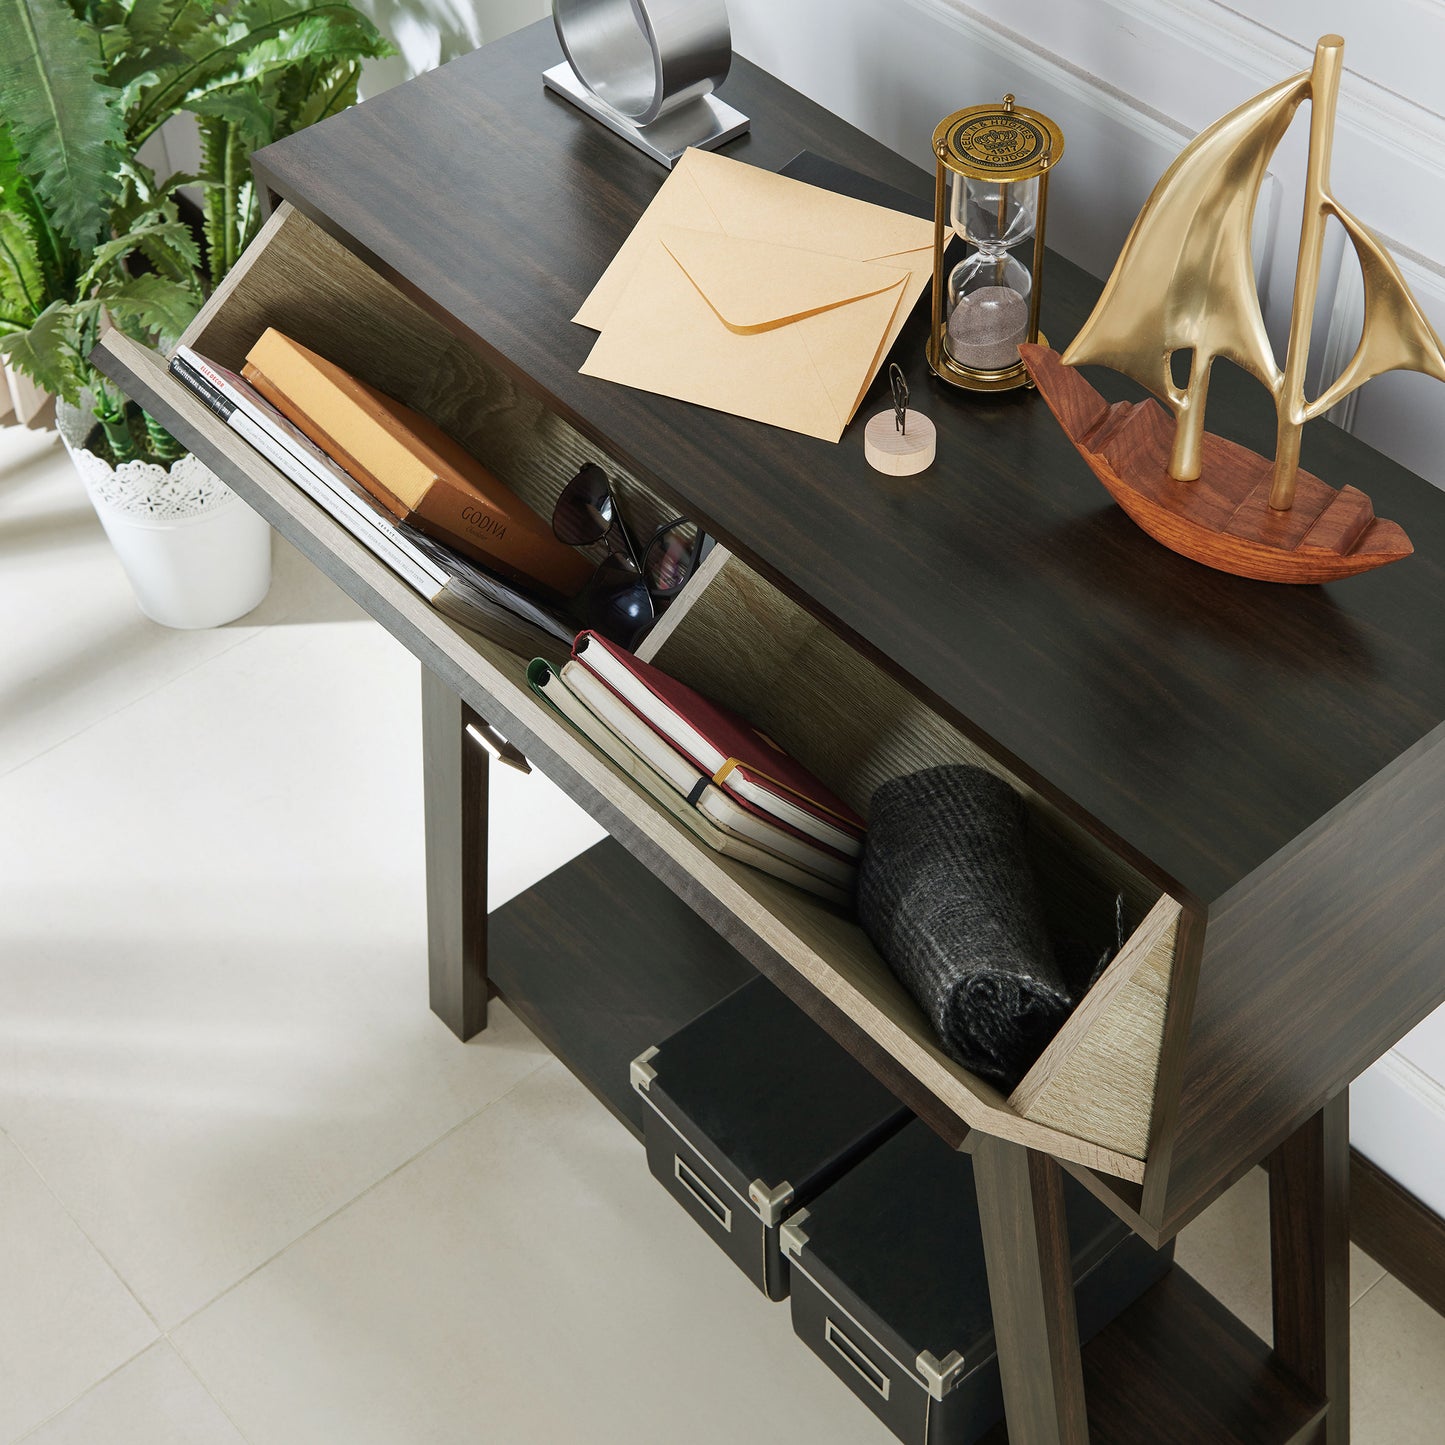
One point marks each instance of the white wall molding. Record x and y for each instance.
(1028, 56)
(1261, 54)
(1266, 55)
(895, 67)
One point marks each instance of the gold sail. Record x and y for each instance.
(1395, 335)
(1185, 278)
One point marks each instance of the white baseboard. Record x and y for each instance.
(1397, 1121)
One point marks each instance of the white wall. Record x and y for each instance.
(1129, 81)
(428, 33)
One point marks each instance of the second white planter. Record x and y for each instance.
(194, 553)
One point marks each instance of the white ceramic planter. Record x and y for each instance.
(194, 553)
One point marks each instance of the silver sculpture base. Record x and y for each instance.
(705, 123)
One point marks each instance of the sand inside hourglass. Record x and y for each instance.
(986, 327)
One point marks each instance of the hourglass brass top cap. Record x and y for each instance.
(999, 141)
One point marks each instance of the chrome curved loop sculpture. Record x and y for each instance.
(648, 70)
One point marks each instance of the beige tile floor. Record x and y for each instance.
(250, 1190)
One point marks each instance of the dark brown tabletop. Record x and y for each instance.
(1200, 721)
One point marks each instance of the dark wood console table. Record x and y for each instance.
(1261, 770)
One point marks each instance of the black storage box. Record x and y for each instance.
(889, 1286)
(752, 1110)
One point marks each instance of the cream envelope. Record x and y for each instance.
(769, 332)
(709, 193)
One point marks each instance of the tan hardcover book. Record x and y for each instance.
(417, 472)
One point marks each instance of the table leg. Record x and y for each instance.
(1031, 1288)
(454, 788)
(1309, 1229)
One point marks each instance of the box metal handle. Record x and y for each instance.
(690, 1181)
(855, 1357)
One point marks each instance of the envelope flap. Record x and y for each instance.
(760, 205)
(755, 285)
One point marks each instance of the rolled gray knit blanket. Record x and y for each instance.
(947, 894)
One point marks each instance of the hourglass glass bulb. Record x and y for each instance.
(988, 310)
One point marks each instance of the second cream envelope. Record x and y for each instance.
(768, 332)
(759, 295)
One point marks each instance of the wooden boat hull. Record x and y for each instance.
(1224, 519)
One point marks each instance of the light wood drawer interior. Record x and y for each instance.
(1091, 1097)
(301, 281)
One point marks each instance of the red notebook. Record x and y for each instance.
(744, 762)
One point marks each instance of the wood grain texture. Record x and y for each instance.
(600, 961)
(819, 958)
(1178, 1369)
(455, 772)
(1223, 519)
(1097, 1077)
(718, 558)
(301, 281)
(1169, 1082)
(1199, 729)
(1309, 1237)
(856, 727)
(1031, 1290)
(1310, 971)
(1398, 1230)
(900, 453)
(1157, 701)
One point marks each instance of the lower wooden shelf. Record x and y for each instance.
(601, 960)
(1178, 1368)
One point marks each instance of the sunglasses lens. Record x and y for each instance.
(619, 605)
(670, 557)
(585, 511)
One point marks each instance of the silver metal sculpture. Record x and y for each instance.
(647, 69)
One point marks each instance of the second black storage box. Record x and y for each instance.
(752, 1110)
(889, 1286)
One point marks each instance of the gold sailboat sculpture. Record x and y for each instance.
(1185, 283)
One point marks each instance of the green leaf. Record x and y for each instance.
(46, 352)
(218, 197)
(100, 14)
(66, 126)
(167, 22)
(113, 42)
(137, 75)
(150, 308)
(214, 54)
(59, 264)
(329, 99)
(219, 55)
(146, 203)
(330, 33)
(22, 282)
(175, 235)
(253, 121)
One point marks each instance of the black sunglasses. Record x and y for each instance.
(631, 587)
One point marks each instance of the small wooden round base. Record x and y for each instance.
(899, 454)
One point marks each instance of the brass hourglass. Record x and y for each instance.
(992, 188)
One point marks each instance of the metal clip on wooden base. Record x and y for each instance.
(895, 443)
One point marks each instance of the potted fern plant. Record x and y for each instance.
(89, 232)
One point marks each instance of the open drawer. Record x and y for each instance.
(1091, 1099)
